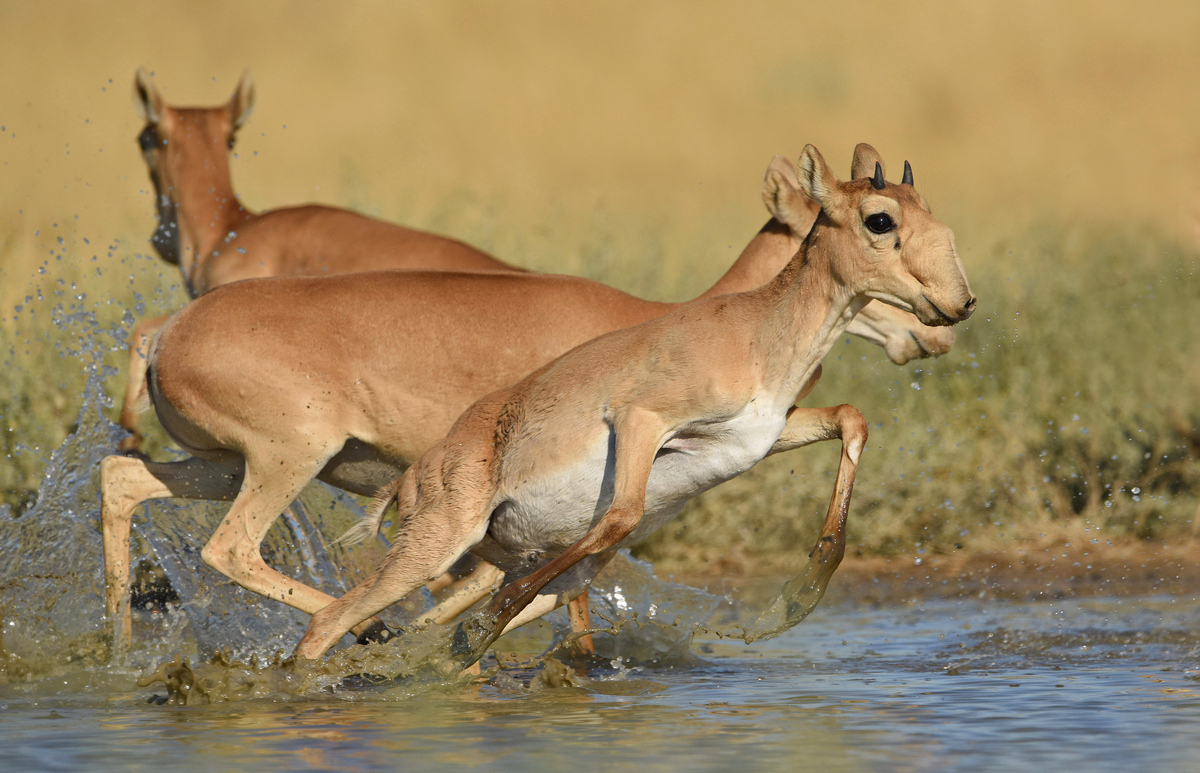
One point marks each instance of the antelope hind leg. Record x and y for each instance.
(234, 549)
(430, 540)
(126, 482)
(135, 387)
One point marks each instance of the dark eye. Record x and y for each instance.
(880, 223)
(148, 138)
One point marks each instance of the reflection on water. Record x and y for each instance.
(1104, 683)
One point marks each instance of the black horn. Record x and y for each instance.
(877, 180)
(907, 174)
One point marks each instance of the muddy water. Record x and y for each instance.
(1107, 684)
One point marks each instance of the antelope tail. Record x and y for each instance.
(370, 525)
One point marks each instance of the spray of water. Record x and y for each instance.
(51, 587)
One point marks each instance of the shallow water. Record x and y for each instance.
(1105, 683)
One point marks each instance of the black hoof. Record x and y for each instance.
(377, 633)
(460, 643)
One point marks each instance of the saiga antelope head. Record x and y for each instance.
(889, 246)
(186, 144)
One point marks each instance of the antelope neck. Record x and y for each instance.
(804, 311)
(206, 210)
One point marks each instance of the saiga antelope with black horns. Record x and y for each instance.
(546, 479)
(372, 375)
(214, 239)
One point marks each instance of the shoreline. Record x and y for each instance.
(1021, 572)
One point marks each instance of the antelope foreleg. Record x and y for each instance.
(465, 592)
(806, 426)
(802, 594)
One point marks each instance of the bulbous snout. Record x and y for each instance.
(945, 295)
(943, 313)
(900, 333)
(919, 344)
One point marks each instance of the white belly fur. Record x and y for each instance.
(547, 513)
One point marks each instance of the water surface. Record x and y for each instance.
(1102, 683)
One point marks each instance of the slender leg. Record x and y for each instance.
(462, 567)
(486, 578)
(802, 594)
(443, 524)
(806, 426)
(126, 482)
(234, 549)
(135, 387)
(581, 620)
(465, 592)
(544, 603)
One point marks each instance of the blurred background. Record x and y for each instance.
(627, 142)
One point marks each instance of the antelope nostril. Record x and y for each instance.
(970, 304)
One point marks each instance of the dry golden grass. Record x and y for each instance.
(1007, 109)
(626, 141)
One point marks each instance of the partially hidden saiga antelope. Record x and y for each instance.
(374, 373)
(547, 478)
(214, 239)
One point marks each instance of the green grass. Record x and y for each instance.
(1068, 410)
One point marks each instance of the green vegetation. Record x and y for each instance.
(1069, 409)
(626, 146)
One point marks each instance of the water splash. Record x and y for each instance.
(51, 583)
(51, 577)
(799, 596)
(51, 557)
(646, 620)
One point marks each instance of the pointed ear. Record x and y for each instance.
(784, 199)
(865, 159)
(817, 181)
(146, 98)
(241, 104)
